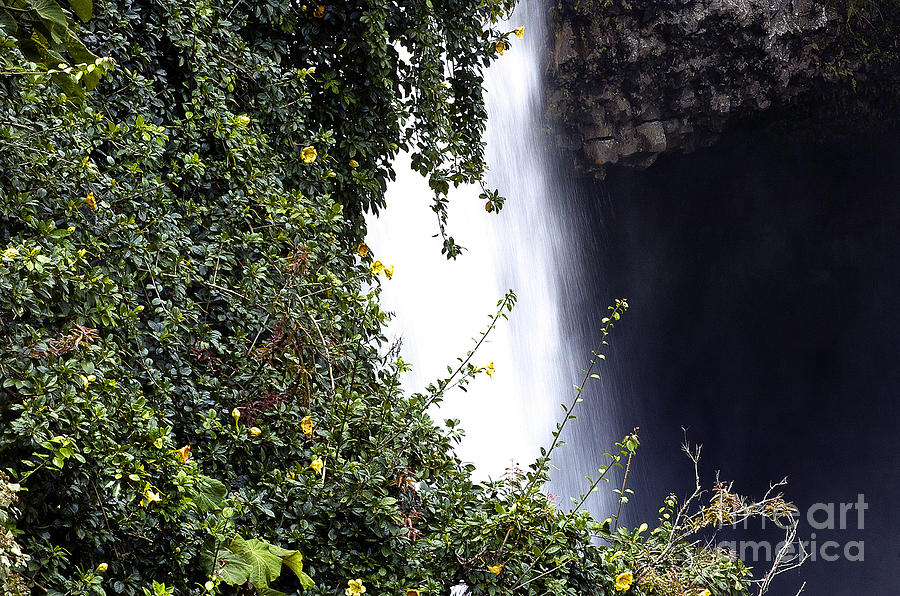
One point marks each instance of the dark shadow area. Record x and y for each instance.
(764, 280)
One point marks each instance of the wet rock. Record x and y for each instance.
(653, 136)
(564, 49)
(601, 151)
(629, 81)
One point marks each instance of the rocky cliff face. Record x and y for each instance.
(629, 81)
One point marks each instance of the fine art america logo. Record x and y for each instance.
(836, 520)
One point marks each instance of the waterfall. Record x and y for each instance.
(440, 305)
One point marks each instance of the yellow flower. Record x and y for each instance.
(319, 12)
(496, 569)
(242, 121)
(317, 465)
(705, 593)
(489, 369)
(150, 497)
(309, 154)
(90, 201)
(363, 249)
(389, 272)
(623, 581)
(520, 32)
(501, 47)
(255, 431)
(10, 253)
(102, 567)
(306, 425)
(184, 453)
(236, 414)
(353, 163)
(355, 587)
(376, 267)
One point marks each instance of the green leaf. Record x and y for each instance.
(259, 562)
(7, 22)
(78, 51)
(210, 494)
(235, 570)
(265, 566)
(207, 558)
(83, 8)
(294, 561)
(49, 10)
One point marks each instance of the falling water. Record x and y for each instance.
(440, 305)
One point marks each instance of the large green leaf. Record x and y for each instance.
(210, 493)
(83, 8)
(265, 566)
(259, 562)
(235, 569)
(78, 50)
(90, 77)
(49, 10)
(294, 561)
(208, 557)
(7, 22)
(42, 52)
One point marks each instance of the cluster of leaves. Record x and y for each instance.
(666, 564)
(12, 559)
(47, 34)
(194, 392)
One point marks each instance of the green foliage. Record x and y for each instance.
(46, 33)
(867, 46)
(862, 9)
(12, 559)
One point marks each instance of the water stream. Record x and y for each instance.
(527, 247)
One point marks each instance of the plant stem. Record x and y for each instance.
(622, 493)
